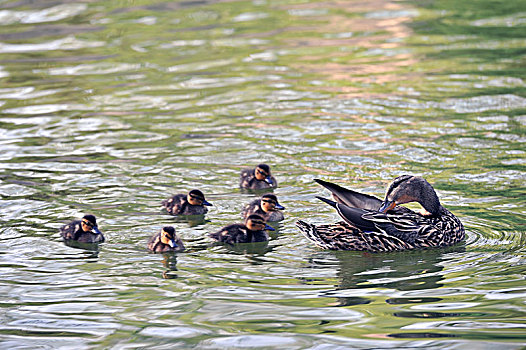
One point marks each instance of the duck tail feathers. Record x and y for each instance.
(328, 201)
(351, 198)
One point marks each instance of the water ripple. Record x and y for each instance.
(51, 14)
(110, 108)
(45, 109)
(98, 68)
(67, 43)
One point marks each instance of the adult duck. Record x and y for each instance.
(84, 230)
(267, 206)
(192, 203)
(257, 178)
(371, 224)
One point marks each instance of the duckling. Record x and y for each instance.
(374, 225)
(252, 230)
(84, 230)
(165, 241)
(258, 178)
(267, 207)
(193, 203)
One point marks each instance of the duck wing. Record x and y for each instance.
(343, 236)
(351, 198)
(251, 208)
(231, 234)
(70, 231)
(176, 204)
(402, 224)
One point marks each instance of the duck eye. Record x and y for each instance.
(87, 223)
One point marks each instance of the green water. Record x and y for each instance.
(109, 107)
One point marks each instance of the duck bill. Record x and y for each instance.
(386, 206)
(270, 228)
(96, 230)
(279, 207)
(269, 180)
(172, 243)
(208, 204)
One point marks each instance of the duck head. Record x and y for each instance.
(89, 224)
(269, 202)
(168, 236)
(262, 173)
(408, 188)
(255, 222)
(196, 197)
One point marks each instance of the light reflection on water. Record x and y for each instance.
(109, 110)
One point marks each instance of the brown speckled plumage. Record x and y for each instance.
(179, 205)
(156, 245)
(74, 231)
(398, 229)
(269, 212)
(248, 179)
(252, 230)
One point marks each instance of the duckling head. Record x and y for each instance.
(196, 197)
(168, 236)
(262, 173)
(269, 202)
(255, 222)
(408, 188)
(89, 224)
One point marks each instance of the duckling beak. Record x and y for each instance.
(208, 204)
(172, 243)
(270, 228)
(386, 206)
(96, 230)
(269, 180)
(279, 206)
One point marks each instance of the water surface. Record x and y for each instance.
(110, 107)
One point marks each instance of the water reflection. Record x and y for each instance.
(91, 247)
(169, 261)
(431, 314)
(422, 335)
(249, 249)
(191, 220)
(359, 273)
(256, 192)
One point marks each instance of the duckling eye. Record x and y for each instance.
(261, 172)
(87, 223)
